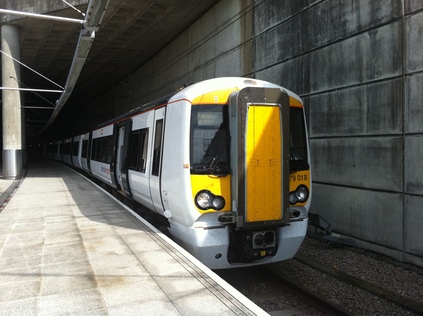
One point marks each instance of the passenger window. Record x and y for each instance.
(103, 149)
(157, 148)
(138, 150)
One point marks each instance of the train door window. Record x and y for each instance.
(157, 148)
(298, 141)
(144, 148)
(138, 150)
(84, 149)
(134, 144)
(75, 148)
(96, 149)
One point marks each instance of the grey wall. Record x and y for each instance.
(358, 66)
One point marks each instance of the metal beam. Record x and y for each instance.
(42, 16)
(29, 89)
(38, 107)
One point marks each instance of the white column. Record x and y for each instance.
(11, 103)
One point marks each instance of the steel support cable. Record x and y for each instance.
(14, 59)
(34, 91)
(76, 9)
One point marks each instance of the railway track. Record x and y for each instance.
(313, 299)
(278, 295)
(303, 286)
(371, 288)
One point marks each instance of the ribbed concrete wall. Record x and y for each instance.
(359, 67)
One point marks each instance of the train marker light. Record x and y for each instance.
(218, 202)
(299, 195)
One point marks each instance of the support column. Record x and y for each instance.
(11, 103)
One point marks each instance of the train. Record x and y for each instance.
(225, 162)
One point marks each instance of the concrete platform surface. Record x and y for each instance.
(69, 248)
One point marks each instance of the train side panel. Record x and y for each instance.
(66, 151)
(176, 183)
(156, 159)
(139, 158)
(56, 153)
(102, 150)
(76, 151)
(84, 153)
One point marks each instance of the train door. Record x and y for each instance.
(121, 160)
(156, 159)
(260, 139)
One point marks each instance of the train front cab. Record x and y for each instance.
(263, 213)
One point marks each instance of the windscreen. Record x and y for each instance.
(209, 151)
(298, 141)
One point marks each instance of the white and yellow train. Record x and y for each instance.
(225, 161)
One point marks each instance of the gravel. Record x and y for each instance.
(404, 281)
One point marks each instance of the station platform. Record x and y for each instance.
(67, 247)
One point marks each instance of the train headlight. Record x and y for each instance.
(205, 200)
(300, 195)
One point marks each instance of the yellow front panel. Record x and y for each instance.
(216, 185)
(263, 174)
(298, 178)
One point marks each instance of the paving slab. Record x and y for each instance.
(68, 247)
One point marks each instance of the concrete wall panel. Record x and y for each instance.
(333, 20)
(371, 163)
(202, 30)
(413, 224)
(228, 12)
(292, 74)
(201, 55)
(369, 109)
(206, 71)
(230, 35)
(271, 13)
(414, 43)
(373, 55)
(414, 104)
(201, 44)
(412, 5)
(229, 65)
(414, 165)
(274, 46)
(373, 216)
(178, 48)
